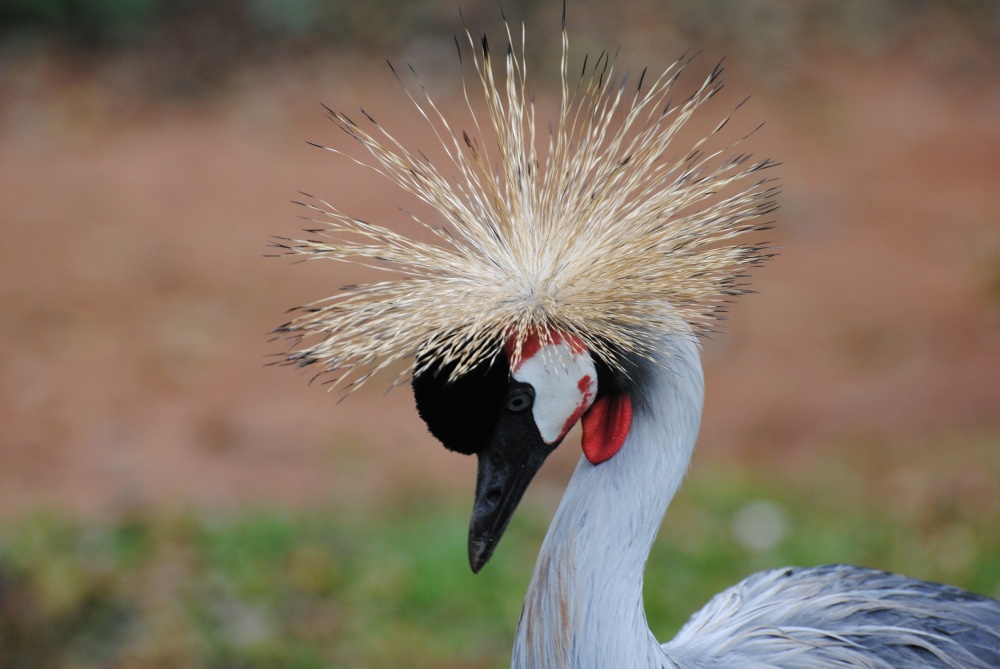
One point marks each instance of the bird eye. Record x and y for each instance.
(519, 402)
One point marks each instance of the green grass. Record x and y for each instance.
(392, 588)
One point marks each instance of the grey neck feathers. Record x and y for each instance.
(584, 607)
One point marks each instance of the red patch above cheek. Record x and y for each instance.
(529, 349)
(533, 343)
(605, 427)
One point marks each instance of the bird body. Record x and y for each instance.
(570, 285)
(584, 607)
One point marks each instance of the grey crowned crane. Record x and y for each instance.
(567, 284)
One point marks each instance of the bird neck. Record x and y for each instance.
(584, 607)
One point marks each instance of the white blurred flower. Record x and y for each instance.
(759, 526)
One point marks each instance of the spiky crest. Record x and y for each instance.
(592, 238)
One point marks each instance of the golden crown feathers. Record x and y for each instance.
(595, 234)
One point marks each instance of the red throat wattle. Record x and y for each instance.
(605, 426)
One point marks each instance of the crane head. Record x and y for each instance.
(512, 413)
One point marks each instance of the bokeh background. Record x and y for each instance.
(168, 500)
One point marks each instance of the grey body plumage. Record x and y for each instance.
(840, 616)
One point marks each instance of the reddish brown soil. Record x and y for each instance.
(135, 300)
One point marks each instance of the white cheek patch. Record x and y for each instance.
(565, 382)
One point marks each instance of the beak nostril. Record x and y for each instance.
(492, 496)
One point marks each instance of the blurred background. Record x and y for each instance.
(168, 500)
